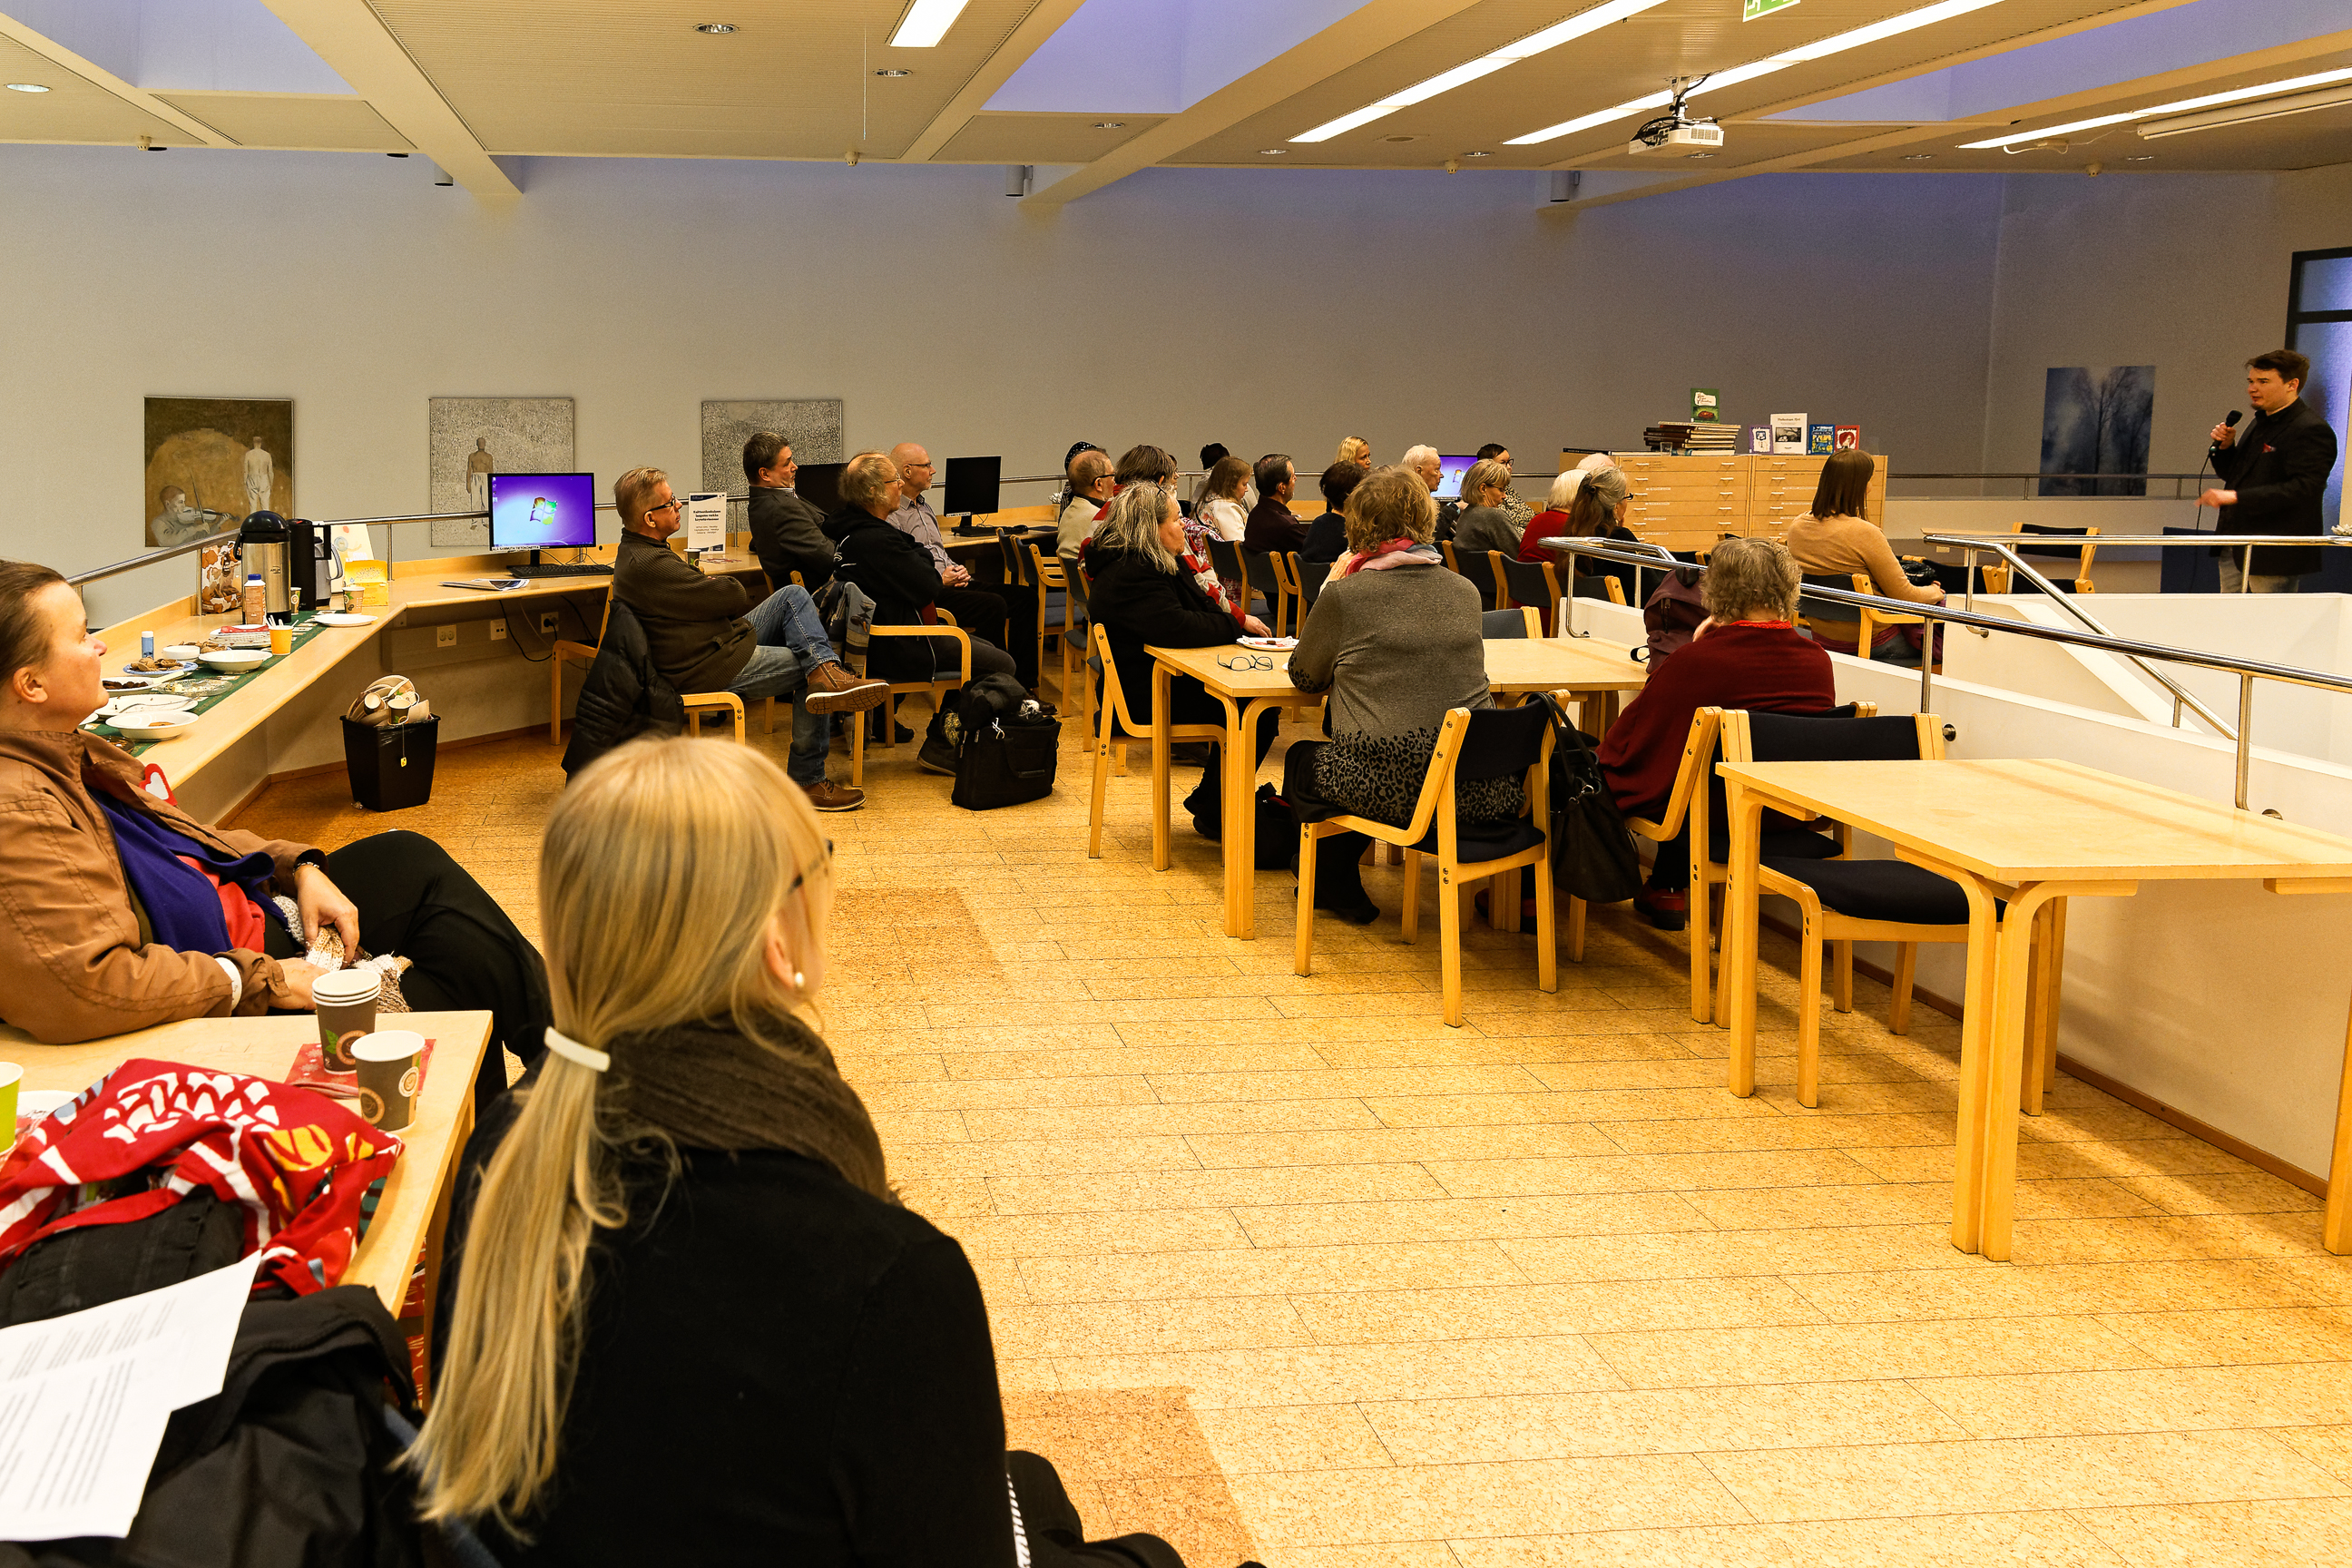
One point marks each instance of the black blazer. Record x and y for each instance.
(788, 536)
(897, 573)
(2278, 467)
(1327, 538)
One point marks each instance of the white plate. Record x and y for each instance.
(147, 701)
(238, 659)
(36, 1103)
(185, 652)
(160, 726)
(343, 620)
(1270, 645)
(129, 680)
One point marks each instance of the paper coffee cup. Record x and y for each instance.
(345, 1002)
(12, 1078)
(281, 640)
(391, 1070)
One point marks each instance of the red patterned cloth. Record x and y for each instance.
(302, 1168)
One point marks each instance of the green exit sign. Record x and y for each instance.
(1751, 9)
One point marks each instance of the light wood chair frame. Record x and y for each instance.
(1111, 713)
(698, 704)
(2083, 584)
(1840, 931)
(1437, 805)
(938, 689)
(1048, 575)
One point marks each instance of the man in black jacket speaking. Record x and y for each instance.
(2276, 471)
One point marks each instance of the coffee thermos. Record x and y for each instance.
(265, 549)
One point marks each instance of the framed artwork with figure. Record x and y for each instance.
(468, 439)
(210, 461)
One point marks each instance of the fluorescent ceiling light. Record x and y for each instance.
(1926, 15)
(925, 22)
(2266, 109)
(1534, 44)
(27, 87)
(2182, 105)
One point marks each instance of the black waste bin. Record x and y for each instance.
(391, 765)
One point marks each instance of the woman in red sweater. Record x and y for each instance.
(1746, 653)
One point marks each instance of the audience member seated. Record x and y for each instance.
(1484, 525)
(1271, 527)
(1326, 536)
(1069, 470)
(1090, 490)
(706, 635)
(687, 1319)
(123, 912)
(1837, 537)
(1746, 654)
(1520, 512)
(787, 533)
(1002, 619)
(1355, 449)
(1213, 454)
(1595, 503)
(1219, 502)
(899, 574)
(1396, 641)
(1146, 595)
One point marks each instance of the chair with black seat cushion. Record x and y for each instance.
(1311, 575)
(1534, 584)
(1487, 743)
(1116, 721)
(1478, 565)
(1845, 901)
(1509, 625)
(1262, 579)
(1232, 566)
(1809, 609)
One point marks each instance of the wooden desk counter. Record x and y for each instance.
(414, 1204)
(2030, 834)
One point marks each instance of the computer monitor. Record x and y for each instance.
(972, 484)
(1450, 470)
(543, 511)
(819, 484)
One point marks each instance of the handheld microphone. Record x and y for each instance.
(2231, 419)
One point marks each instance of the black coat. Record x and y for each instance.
(624, 696)
(2278, 467)
(788, 536)
(775, 1368)
(897, 573)
(1138, 606)
(1327, 538)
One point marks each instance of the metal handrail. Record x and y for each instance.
(2205, 538)
(2247, 671)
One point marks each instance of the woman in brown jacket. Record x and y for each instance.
(119, 911)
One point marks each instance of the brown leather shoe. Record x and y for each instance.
(833, 690)
(828, 796)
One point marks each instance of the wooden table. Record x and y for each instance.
(414, 1209)
(2032, 833)
(1514, 666)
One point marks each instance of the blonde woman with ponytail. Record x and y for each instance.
(690, 1322)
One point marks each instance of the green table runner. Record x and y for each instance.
(205, 687)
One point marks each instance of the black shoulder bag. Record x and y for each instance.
(1591, 850)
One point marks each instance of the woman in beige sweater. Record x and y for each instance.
(1835, 537)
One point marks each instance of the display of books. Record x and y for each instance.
(1789, 435)
(1817, 438)
(1848, 439)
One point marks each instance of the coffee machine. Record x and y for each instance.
(312, 560)
(264, 548)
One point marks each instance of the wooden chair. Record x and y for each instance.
(1232, 566)
(698, 704)
(1520, 621)
(1263, 576)
(1052, 578)
(1484, 568)
(1697, 796)
(939, 686)
(1535, 584)
(1290, 576)
(1114, 712)
(1844, 901)
(1308, 576)
(2083, 584)
(1491, 743)
(1029, 570)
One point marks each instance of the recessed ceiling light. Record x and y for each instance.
(27, 87)
(1271, 151)
(714, 28)
(2236, 95)
(1108, 124)
(893, 70)
(1408, 136)
(1918, 157)
(925, 22)
(2139, 157)
(1699, 154)
(1477, 155)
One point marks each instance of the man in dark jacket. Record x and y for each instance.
(787, 533)
(2276, 471)
(1272, 529)
(706, 635)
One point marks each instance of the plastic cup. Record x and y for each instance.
(281, 640)
(391, 1070)
(12, 1078)
(345, 1002)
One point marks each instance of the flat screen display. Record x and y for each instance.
(543, 511)
(819, 484)
(1450, 469)
(972, 484)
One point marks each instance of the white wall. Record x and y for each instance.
(1266, 310)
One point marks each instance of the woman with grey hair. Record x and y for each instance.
(1585, 504)
(1484, 524)
(1746, 654)
(1143, 594)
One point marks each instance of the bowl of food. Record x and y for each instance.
(155, 723)
(234, 659)
(183, 652)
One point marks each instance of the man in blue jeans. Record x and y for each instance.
(706, 635)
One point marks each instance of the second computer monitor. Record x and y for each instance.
(543, 511)
(1450, 470)
(973, 485)
(819, 484)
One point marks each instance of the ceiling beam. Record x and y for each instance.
(1355, 37)
(350, 38)
(98, 76)
(1037, 27)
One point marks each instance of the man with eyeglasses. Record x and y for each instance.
(980, 611)
(706, 635)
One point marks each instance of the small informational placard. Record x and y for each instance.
(706, 520)
(1789, 435)
(1706, 405)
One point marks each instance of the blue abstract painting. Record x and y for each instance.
(2095, 420)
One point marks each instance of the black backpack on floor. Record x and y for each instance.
(1006, 746)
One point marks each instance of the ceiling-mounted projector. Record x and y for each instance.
(1675, 131)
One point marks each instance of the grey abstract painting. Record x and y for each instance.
(813, 425)
(469, 439)
(2095, 420)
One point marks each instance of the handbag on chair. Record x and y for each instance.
(1592, 849)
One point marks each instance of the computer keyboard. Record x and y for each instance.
(571, 569)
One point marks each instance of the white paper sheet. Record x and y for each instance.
(706, 520)
(84, 1399)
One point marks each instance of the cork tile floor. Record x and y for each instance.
(1283, 1266)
